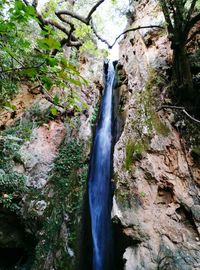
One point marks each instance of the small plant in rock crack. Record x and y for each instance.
(143, 194)
(6, 200)
(94, 116)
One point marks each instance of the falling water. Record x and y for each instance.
(100, 198)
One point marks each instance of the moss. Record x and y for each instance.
(143, 194)
(68, 183)
(195, 153)
(196, 150)
(158, 125)
(146, 103)
(133, 152)
(123, 198)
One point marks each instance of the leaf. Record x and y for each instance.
(19, 5)
(54, 111)
(52, 61)
(3, 27)
(30, 11)
(31, 72)
(47, 82)
(10, 107)
(73, 81)
(50, 43)
(42, 44)
(56, 100)
(84, 80)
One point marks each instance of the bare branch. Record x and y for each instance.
(191, 23)
(98, 36)
(64, 20)
(71, 40)
(94, 8)
(191, 117)
(74, 15)
(169, 107)
(166, 15)
(35, 3)
(134, 29)
(179, 108)
(26, 2)
(191, 9)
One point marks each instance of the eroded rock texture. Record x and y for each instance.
(43, 174)
(157, 181)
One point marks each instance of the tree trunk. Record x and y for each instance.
(181, 71)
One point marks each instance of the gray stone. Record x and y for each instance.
(196, 212)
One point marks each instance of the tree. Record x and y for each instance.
(31, 44)
(181, 16)
(63, 21)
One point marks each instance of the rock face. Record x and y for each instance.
(157, 196)
(43, 174)
(40, 152)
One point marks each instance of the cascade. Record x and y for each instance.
(99, 184)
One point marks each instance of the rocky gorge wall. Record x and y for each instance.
(43, 175)
(44, 161)
(156, 200)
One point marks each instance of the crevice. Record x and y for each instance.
(187, 218)
(121, 243)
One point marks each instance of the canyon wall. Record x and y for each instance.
(156, 200)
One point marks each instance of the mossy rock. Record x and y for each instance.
(134, 152)
(68, 182)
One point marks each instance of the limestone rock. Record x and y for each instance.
(39, 153)
(156, 194)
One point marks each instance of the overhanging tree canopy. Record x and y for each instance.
(181, 17)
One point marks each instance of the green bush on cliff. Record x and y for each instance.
(12, 183)
(67, 182)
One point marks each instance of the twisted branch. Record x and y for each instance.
(179, 108)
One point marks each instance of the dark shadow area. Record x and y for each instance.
(85, 240)
(12, 258)
(16, 245)
(121, 242)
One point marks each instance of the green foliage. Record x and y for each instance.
(68, 182)
(133, 153)
(26, 53)
(94, 116)
(7, 201)
(143, 194)
(146, 115)
(34, 116)
(12, 183)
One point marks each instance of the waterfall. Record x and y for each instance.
(99, 184)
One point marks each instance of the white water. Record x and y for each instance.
(100, 199)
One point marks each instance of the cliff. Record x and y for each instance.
(156, 200)
(43, 174)
(44, 159)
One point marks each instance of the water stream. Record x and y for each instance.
(99, 185)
